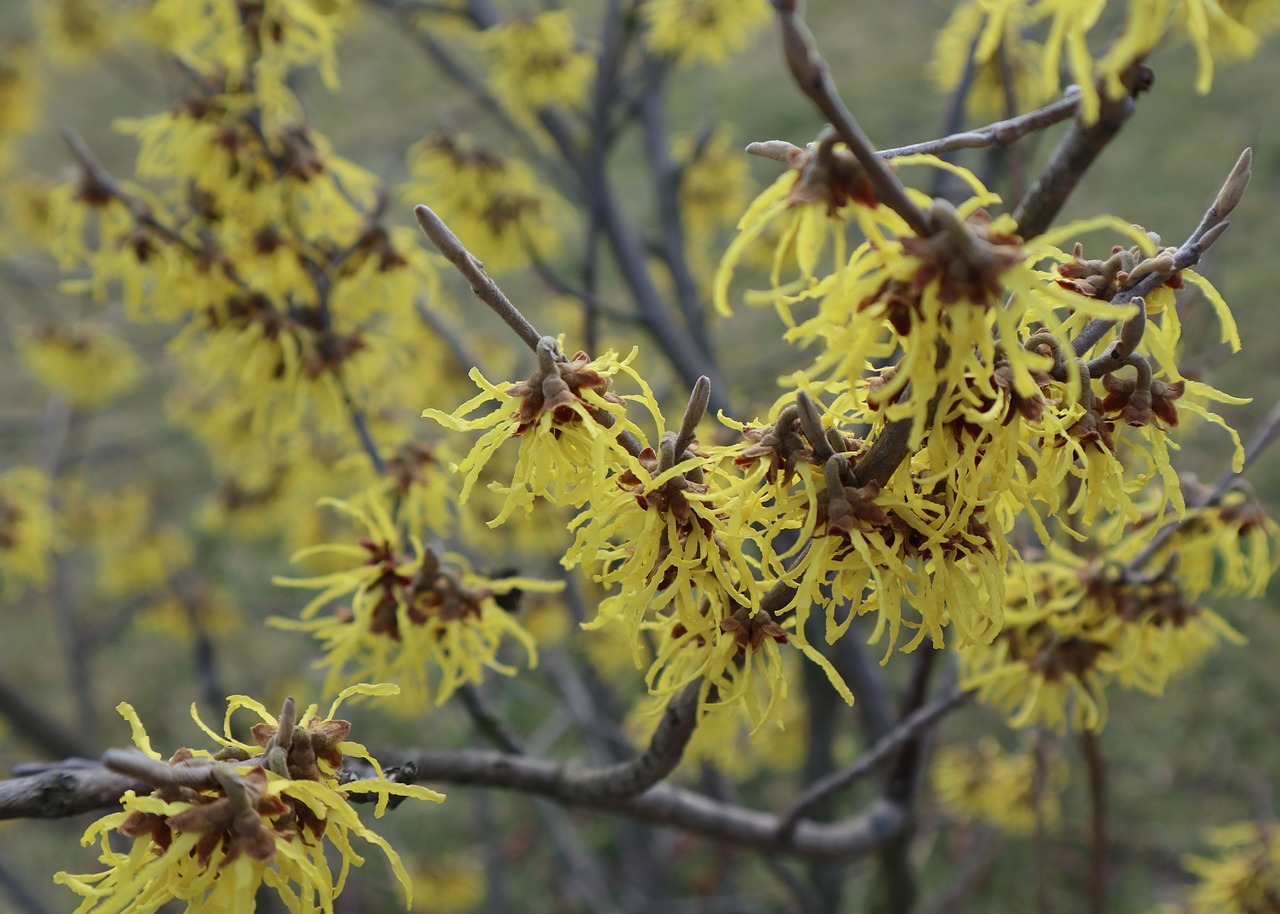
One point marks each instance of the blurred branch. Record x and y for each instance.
(908, 729)
(1096, 765)
(1075, 153)
(36, 727)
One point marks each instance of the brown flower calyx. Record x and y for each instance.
(786, 444)
(437, 592)
(966, 255)
(407, 466)
(557, 387)
(831, 174)
(1141, 404)
(751, 629)
(1104, 279)
(237, 821)
(1056, 656)
(1030, 408)
(1155, 600)
(294, 751)
(1093, 428)
(671, 496)
(842, 507)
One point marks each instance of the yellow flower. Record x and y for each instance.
(984, 782)
(568, 423)
(217, 827)
(21, 89)
(991, 37)
(707, 31)
(1245, 876)
(88, 364)
(497, 206)
(75, 30)
(536, 62)
(412, 616)
(29, 529)
(714, 184)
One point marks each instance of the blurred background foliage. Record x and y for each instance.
(1205, 754)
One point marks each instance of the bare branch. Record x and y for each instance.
(473, 270)
(1000, 133)
(1075, 153)
(61, 792)
(661, 757)
(911, 726)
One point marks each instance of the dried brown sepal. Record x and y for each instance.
(784, 448)
(830, 174)
(558, 388)
(751, 629)
(967, 256)
(1093, 428)
(1139, 404)
(239, 821)
(1104, 279)
(850, 508)
(669, 498)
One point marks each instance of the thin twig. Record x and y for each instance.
(1000, 133)
(813, 76)
(473, 270)
(1212, 225)
(911, 726)
(487, 722)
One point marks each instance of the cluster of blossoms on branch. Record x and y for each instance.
(217, 826)
(976, 456)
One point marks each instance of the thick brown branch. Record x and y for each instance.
(657, 761)
(664, 804)
(63, 792)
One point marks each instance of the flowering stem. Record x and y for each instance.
(1212, 225)
(473, 270)
(813, 76)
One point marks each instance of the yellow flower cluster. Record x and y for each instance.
(703, 31)
(220, 826)
(536, 62)
(407, 616)
(88, 364)
(1019, 47)
(1014, 791)
(1243, 879)
(1075, 625)
(495, 205)
(30, 531)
